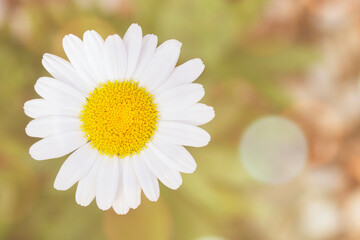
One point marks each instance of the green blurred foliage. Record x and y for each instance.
(242, 80)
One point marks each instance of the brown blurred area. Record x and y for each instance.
(299, 59)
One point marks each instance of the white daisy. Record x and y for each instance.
(125, 111)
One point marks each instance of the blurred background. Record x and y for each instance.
(284, 160)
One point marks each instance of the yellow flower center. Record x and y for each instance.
(119, 118)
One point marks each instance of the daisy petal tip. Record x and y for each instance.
(175, 42)
(192, 169)
(59, 187)
(87, 33)
(206, 138)
(91, 34)
(33, 153)
(83, 202)
(102, 205)
(116, 36)
(79, 198)
(200, 88)
(151, 36)
(113, 37)
(68, 39)
(60, 184)
(80, 203)
(121, 211)
(176, 187)
(65, 41)
(96, 33)
(135, 25)
(103, 208)
(36, 157)
(206, 142)
(45, 57)
(44, 60)
(28, 112)
(27, 130)
(154, 198)
(199, 60)
(134, 205)
(26, 106)
(71, 36)
(212, 113)
(179, 44)
(135, 28)
(201, 64)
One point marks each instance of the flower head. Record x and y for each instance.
(124, 112)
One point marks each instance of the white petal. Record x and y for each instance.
(133, 42)
(46, 126)
(115, 58)
(132, 189)
(180, 97)
(147, 179)
(75, 167)
(107, 182)
(57, 145)
(168, 176)
(147, 51)
(94, 51)
(177, 157)
(183, 134)
(86, 188)
(63, 70)
(120, 204)
(183, 74)
(74, 49)
(161, 65)
(59, 93)
(40, 108)
(197, 114)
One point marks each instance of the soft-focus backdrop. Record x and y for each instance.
(297, 61)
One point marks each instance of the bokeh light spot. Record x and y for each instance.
(319, 218)
(273, 150)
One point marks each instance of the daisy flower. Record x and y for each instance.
(124, 112)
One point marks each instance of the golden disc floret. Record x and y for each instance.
(119, 118)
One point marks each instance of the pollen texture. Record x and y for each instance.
(119, 118)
